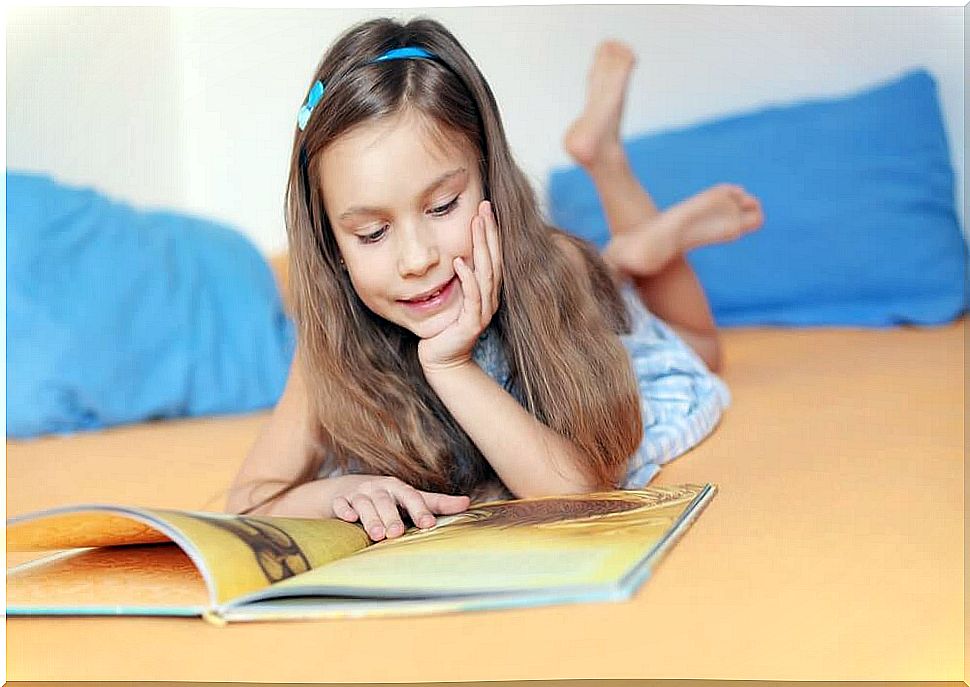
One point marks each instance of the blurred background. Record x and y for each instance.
(194, 109)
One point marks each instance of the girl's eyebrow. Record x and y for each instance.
(365, 210)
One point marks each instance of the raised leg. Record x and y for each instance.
(647, 245)
(644, 239)
(593, 140)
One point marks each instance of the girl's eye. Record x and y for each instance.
(373, 238)
(446, 208)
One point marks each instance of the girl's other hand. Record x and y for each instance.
(481, 288)
(375, 501)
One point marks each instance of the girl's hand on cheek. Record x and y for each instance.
(376, 502)
(481, 289)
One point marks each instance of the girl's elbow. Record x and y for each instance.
(715, 359)
(708, 347)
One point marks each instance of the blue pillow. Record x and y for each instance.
(116, 315)
(858, 194)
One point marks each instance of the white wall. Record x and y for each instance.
(93, 96)
(194, 108)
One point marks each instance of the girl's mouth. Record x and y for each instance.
(434, 300)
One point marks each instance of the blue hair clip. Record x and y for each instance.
(316, 93)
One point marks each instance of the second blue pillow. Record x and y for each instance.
(858, 193)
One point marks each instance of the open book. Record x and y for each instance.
(112, 560)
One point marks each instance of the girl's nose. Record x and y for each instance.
(418, 251)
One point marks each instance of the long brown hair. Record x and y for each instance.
(373, 409)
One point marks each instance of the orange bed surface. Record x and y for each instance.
(834, 549)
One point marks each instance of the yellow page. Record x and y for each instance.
(513, 545)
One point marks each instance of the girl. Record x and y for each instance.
(452, 347)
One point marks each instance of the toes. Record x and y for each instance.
(749, 206)
(752, 217)
(749, 202)
(724, 192)
(615, 50)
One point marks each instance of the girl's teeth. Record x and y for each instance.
(428, 298)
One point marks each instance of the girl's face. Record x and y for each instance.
(401, 208)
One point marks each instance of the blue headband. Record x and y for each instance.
(317, 91)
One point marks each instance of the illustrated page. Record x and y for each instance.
(514, 545)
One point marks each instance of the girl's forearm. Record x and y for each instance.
(311, 499)
(530, 458)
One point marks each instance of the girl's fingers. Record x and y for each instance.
(386, 506)
(495, 252)
(343, 510)
(445, 503)
(417, 509)
(472, 306)
(483, 265)
(369, 518)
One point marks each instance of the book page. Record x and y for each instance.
(235, 555)
(531, 544)
(127, 579)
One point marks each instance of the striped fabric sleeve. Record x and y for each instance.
(681, 400)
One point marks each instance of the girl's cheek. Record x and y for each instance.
(457, 236)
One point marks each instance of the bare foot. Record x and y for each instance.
(722, 213)
(596, 134)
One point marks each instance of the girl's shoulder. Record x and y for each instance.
(490, 355)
